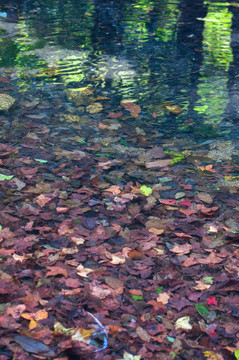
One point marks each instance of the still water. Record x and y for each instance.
(152, 53)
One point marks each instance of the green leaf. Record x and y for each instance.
(0, 227)
(41, 160)
(5, 177)
(159, 290)
(202, 311)
(207, 280)
(176, 160)
(137, 297)
(171, 339)
(145, 190)
(236, 353)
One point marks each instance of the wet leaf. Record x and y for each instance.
(158, 163)
(174, 109)
(131, 107)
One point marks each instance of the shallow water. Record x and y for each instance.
(153, 54)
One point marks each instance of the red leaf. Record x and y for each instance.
(212, 300)
(167, 201)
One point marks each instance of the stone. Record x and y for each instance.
(6, 102)
(78, 97)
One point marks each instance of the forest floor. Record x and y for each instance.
(113, 246)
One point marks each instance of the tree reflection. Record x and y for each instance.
(232, 109)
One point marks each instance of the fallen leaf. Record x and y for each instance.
(56, 270)
(83, 335)
(163, 298)
(143, 334)
(33, 346)
(42, 200)
(83, 271)
(183, 323)
(181, 249)
(201, 286)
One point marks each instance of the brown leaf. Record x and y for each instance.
(158, 163)
(211, 259)
(56, 270)
(182, 249)
(207, 211)
(205, 197)
(174, 109)
(114, 283)
(143, 334)
(42, 200)
(115, 115)
(73, 283)
(131, 107)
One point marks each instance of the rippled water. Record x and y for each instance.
(180, 52)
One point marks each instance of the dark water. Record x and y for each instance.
(153, 53)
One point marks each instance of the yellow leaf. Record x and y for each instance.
(41, 314)
(82, 335)
(60, 329)
(156, 231)
(33, 324)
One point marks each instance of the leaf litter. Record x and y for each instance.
(118, 245)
